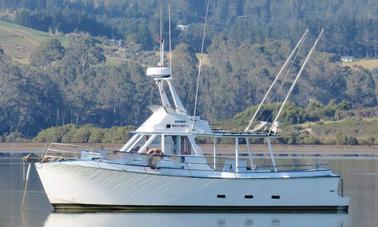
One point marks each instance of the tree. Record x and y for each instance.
(48, 53)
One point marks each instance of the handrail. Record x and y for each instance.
(56, 152)
(260, 169)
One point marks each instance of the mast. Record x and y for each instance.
(162, 73)
(296, 79)
(161, 40)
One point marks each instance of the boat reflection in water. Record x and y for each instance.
(197, 219)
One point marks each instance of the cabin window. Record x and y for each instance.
(275, 197)
(168, 126)
(248, 197)
(221, 196)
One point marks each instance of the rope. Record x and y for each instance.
(200, 64)
(284, 81)
(276, 79)
(297, 77)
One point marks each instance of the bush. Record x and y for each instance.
(14, 137)
(368, 141)
(343, 139)
(84, 134)
(54, 134)
(310, 140)
(97, 135)
(117, 134)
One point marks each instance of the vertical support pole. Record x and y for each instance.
(271, 154)
(215, 154)
(236, 154)
(250, 154)
(163, 143)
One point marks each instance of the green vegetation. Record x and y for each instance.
(365, 63)
(239, 21)
(20, 42)
(91, 72)
(315, 123)
(84, 134)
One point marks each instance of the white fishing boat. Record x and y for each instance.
(163, 167)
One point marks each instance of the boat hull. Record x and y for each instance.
(71, 186)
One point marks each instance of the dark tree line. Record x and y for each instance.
(74, 84)
(247, 43)
(351, 26)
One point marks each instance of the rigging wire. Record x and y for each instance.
(296, 78)
(280, 89)
(200, 63)
(275, 80)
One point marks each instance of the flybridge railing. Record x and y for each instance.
(224, 162)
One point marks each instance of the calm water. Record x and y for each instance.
(360, 184)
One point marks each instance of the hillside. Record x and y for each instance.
(93, 73)
(19, 42)
(366, 63)
(315, 124)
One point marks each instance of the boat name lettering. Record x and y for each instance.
(180, 121)
(180, 126)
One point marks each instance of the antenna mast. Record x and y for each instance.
(161, 40)
(170, 37)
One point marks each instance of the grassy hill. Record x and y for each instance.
(364, 130)
(365, 63)
(19, 42)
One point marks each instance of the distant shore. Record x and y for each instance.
(279, 148)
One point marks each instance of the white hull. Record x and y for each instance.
(70, 184)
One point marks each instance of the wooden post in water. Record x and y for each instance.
(26, 186)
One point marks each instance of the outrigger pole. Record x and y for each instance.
(300, 42)
(296, 79)
(297, 46)
(200, 64)
(286, 98)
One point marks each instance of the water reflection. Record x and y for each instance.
(196, 219)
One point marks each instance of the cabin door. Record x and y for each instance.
(186, 148)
